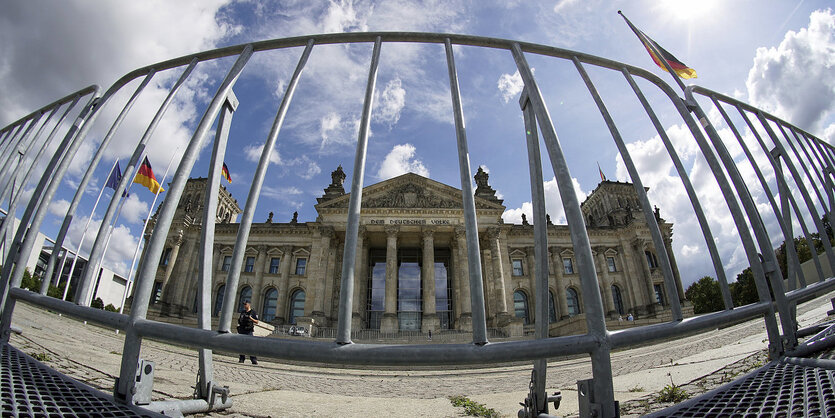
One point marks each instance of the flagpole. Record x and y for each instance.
(81, 241)
(656, 52)
(100, 262)
(129, 282)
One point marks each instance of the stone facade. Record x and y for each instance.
(411, 270)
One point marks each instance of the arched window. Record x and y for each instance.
(270, 302)
(219, 300)
(573, 302)
(617, 299)
(520, 306)
(552, 309)
(296, 306)
(245, 296)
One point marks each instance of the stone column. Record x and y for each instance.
(331, 271)
(455, 281)
(359, 280)
(258, 281)
(430, 315)
(531, 272)
(283, 283)
(319, 275)
(389, 322)
(606, 283)
(465, 322)
(668, 244)
(562, 303)
(628, 279)
(498, 275)
(177, 240)
(651, 301)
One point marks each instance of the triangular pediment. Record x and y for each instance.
(408, 191)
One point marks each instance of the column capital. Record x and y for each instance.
(392, 230)
(428, 232)
(600, 250)
(493, 232)
(261, 249)
(554, 250)
(530, 251)
(460, 232)
(287, 249)
(327, 232)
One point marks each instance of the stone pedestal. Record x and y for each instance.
(465, 322)
(389, 323)
(430, 322)
(514, 328)
(504, 319)
(319, 317)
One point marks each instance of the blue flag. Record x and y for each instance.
(114, 179)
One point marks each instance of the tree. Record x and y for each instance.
(705, 295)
(744, 290)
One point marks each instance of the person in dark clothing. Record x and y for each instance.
(246, 325)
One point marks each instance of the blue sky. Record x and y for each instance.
(775, 54)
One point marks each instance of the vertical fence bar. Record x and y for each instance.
(710, 242)
(26, 154)
(15, 148)
(470, 222)
(673, 289)
(105, 228)
(42, 195)
(540, 230)
(88, 275)
(768, 266)
(601, 362)
(145, 281)
(805, 169)
(205, 373)
(346, 290)
(785, 226)
(810, 206)
(827, 170)
(234, 272)
(813, 167)
(775, 342)
(773, 156)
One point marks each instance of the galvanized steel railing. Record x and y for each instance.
(808, 152)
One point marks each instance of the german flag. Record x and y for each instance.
(225, 173)
(681, 69)
(145, 176)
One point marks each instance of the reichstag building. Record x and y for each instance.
(412, 271)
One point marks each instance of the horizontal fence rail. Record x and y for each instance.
(794, 170)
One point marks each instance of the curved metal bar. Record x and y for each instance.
(145, 279)
(91, 269)
(654, 230)
(710, 242)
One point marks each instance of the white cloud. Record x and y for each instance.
(794, 80)
(59, 207)
(119, 251)
(510, 86)
(134, 210)
(553, 204)
(400, 160)
(253, 152)
(391, 102)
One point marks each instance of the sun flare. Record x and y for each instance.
(688, 9)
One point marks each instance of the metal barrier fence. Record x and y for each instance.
(814, 180)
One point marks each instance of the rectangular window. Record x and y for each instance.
(301, 263)
(166, 257)
(157, 292)
(274, 263)
(227, 261)
(659, 294)
(250, 265)
(568, 266)
(517, 267)
(611, 262)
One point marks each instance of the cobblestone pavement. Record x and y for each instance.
(92, 354)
